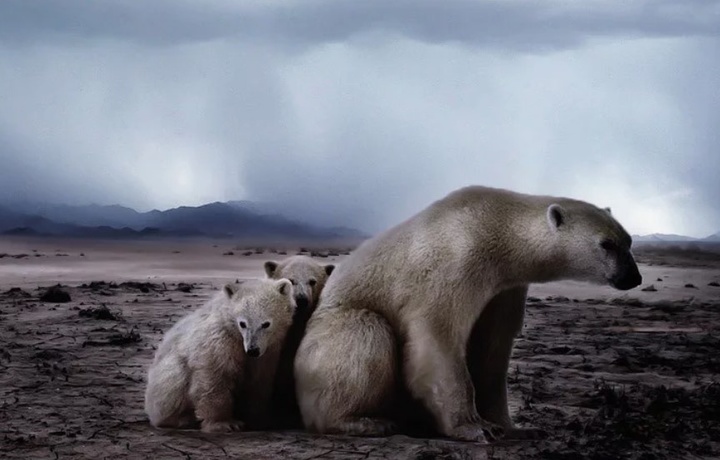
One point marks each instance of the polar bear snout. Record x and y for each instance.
(302, 301)
(627, 282)
(253, 352)
(627, 276)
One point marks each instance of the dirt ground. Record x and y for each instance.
(607, 374)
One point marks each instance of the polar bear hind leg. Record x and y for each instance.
(355, 358)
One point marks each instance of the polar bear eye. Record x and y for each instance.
(265, 325)
(608, 245)
(312, 282)
(242, 324)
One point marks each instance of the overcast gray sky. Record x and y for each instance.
(361, 113)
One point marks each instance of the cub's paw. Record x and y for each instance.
(376, 427)
(188, 422)
(365, 426)
(214, 426)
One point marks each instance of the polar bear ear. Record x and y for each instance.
(284, 286)
(270, 268)
(555, 216)
(230, 289)
(609, 211)
(329, 269)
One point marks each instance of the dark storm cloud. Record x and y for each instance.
(361, 113)
(618, 125)
(28, 174)
(700, 103)
(504, 24)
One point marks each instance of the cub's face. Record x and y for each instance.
(263, 314)
(307, 277)
(255, 333)
(595, 246)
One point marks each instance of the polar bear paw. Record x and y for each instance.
(477, 431)
(213, 426)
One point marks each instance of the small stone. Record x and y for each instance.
(184, 287)
(55, 294)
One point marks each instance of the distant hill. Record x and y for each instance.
(237, 219)
(714, 238)
(88, 216)
(662, 237)
(233, 219)
(672, 238)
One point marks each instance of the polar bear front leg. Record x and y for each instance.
(437, 375)
(259, 389)
(213, 401)
(488, 357)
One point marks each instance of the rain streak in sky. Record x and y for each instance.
(362, 113)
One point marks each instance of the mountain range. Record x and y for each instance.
(672, 238)
(233, 219)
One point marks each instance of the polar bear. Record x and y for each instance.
(217, 365)
(433, 305)
(308, 278)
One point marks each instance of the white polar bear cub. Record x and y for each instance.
(217, 365)
(433, 305)
(308, 278)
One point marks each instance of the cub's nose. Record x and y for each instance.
(253, 352)
(302, 301)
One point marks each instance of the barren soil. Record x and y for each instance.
(607, 374)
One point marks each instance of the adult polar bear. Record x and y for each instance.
(435, 303)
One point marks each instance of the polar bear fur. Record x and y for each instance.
(217, 365)
(433, 305)
(308, 278)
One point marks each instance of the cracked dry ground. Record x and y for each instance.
(624, 379)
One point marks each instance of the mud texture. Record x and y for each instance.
(608, 376)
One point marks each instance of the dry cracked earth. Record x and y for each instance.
(607, 375)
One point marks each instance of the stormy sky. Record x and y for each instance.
(361, 113)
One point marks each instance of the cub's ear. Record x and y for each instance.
(555, 216)
(230, 289)
(284, 286)
(329, 269)
(270, 268)
(609, 211)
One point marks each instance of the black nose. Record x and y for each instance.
(628, 280)
(302, 301)
(253, 352)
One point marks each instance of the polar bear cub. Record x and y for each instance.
(217, 365)
(308, 278)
